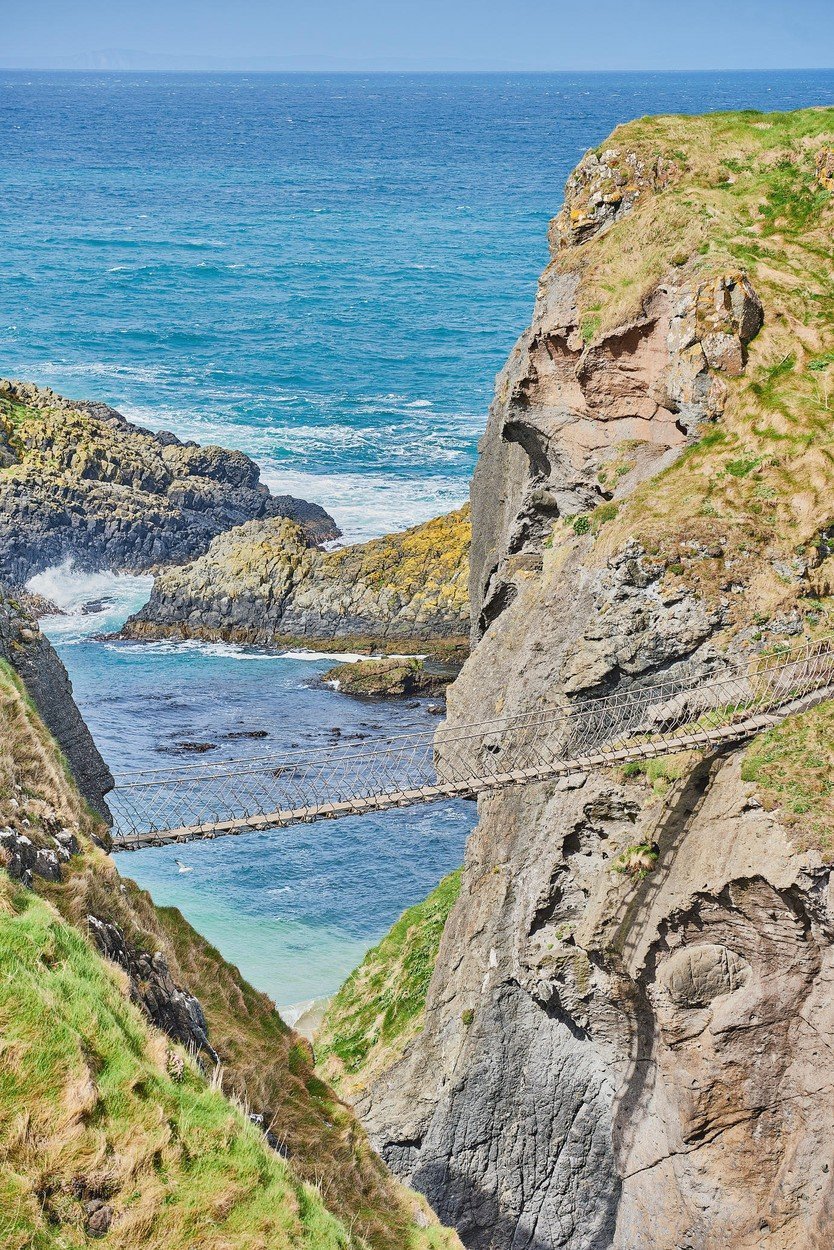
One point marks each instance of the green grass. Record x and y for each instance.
(265, 1065)
(792, 766)
(742, 196)
(636, 861)
(90, 1109)
(380, 1007)
(662, 772)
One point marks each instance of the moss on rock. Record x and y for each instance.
(262, 584)
(78, 481)
(390, 678)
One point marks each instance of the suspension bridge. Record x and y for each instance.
(270, 791)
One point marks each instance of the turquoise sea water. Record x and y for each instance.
(326, 271)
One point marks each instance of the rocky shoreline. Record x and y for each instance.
(128, 1004)
(79, 482)
(261, 584)
(231, 562)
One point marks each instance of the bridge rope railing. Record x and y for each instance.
(177, 803)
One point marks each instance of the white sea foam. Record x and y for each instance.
(295, 1011)
(366, 505)
(211, 650)
(115, 596)
(344, 657)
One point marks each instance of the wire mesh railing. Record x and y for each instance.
(208, 800)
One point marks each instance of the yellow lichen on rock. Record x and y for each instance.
(825, 168)
(261, 583)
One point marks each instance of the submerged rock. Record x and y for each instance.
(391, 678)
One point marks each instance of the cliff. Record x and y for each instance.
(260, 583)
(79, 482)
(24, 648)
(623, 1042)
(146, 1091)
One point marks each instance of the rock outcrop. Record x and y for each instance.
(657, 1042)
(391, 678)
(624, 1042)
(262, 584)
(580, 422)
(168, 1005)
(79, 482)
(47, 683)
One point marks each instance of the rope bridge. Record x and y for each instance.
(179, 804)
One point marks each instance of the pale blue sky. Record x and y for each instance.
(417, 34)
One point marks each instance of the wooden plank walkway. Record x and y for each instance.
(617, 753)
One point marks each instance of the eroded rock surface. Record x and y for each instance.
(579, 421)
(80, 482)
(261, 583)
(626, 1035)
(168, 1005)
(47, 683)
(391, 678)
(616, 1064)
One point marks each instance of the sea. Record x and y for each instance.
(326, 271)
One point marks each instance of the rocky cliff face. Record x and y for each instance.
(47, 683)
(624, 1039)
(262, 584)
(78, 481)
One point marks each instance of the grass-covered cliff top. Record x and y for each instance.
(89, 1108)
(106, 1130)
(380, 1007)
(727, 193)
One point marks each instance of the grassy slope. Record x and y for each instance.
(265, 1064)
(793, 768)
(745, 196)
(89, 1109)
(380, 1007)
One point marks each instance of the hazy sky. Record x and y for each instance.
(417, 34)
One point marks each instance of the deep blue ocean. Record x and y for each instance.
(326, 271)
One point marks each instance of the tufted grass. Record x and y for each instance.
(792, 766)
(744, 196)
(661, 773)
(266, 1067)
(380, 1007)
(90, 1110)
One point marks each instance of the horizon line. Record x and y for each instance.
(173, 69)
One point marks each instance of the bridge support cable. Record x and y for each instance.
(178, 804)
